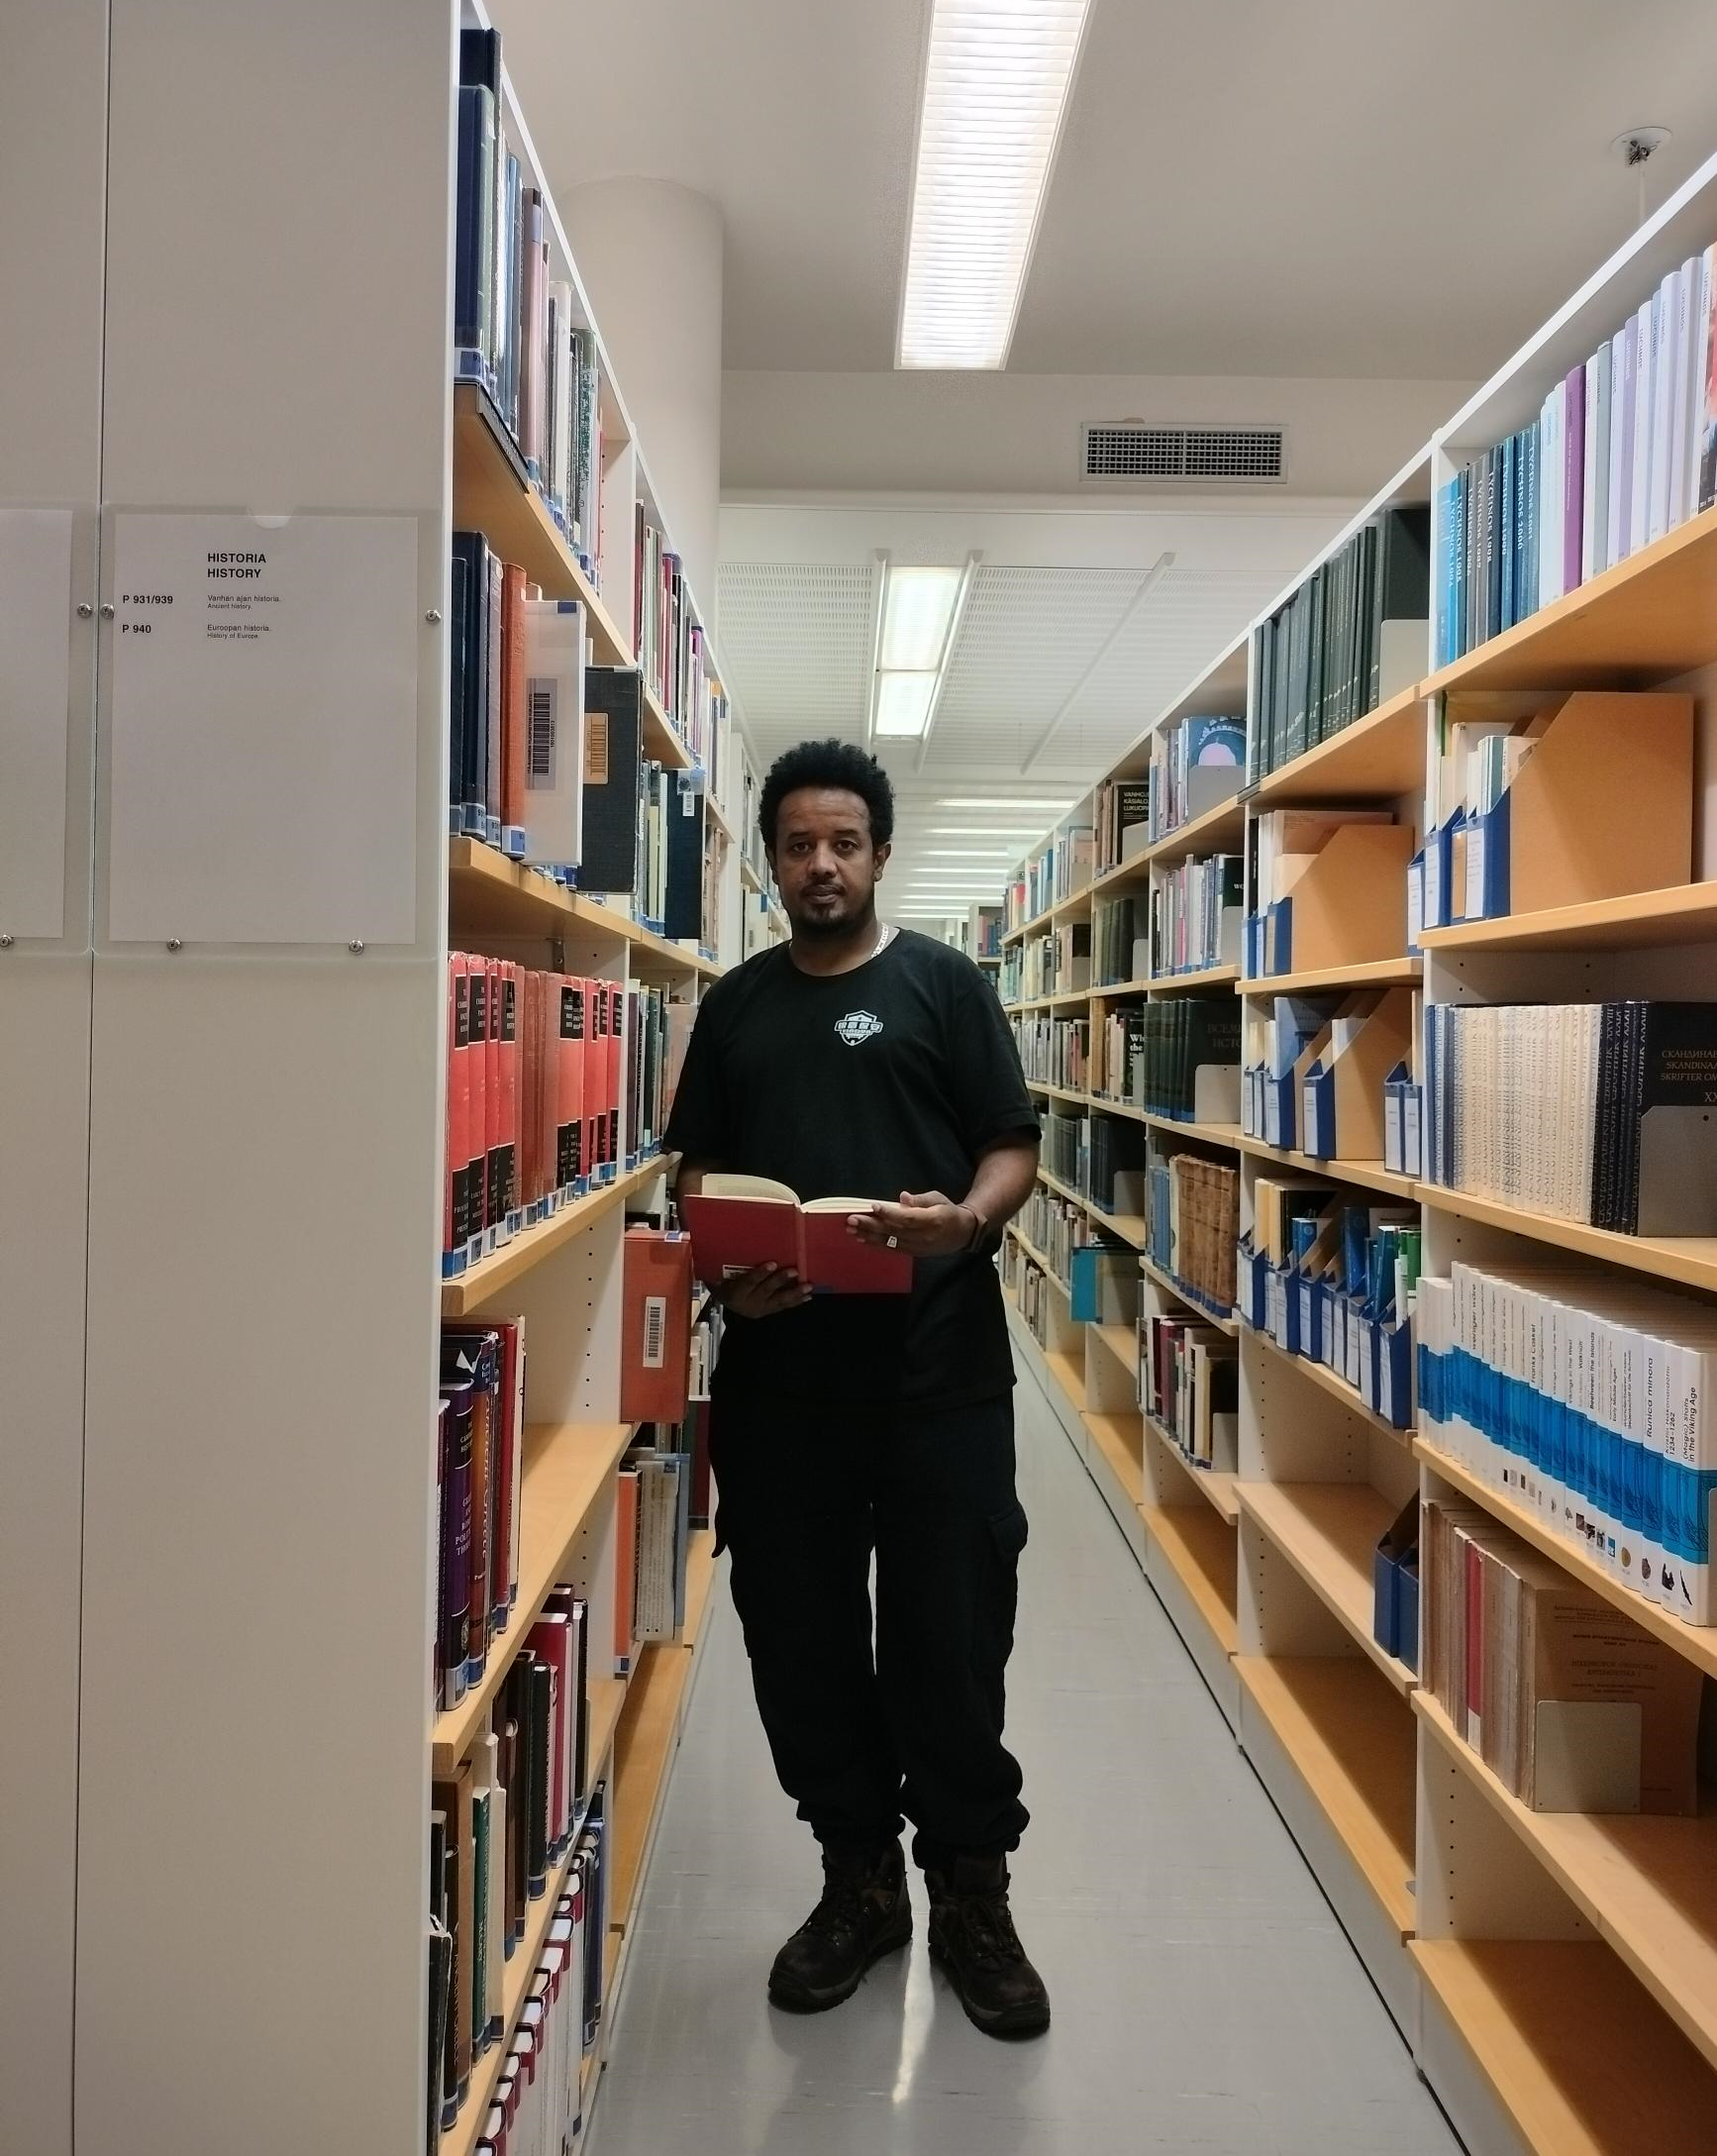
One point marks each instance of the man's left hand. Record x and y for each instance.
(925, 1224)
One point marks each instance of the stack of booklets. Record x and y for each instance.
(1052, 1051)
(662, 1480)
(1117, 1164)
(1190, 1387)
(504, 1820)
(1121, 822)
(1351, 636)
(1063, 867)
(1624, 448)
(1595, 1112)
(1120, 946)
(1196, 912)
(1191, 1218)
(658, 1031)
(1196, 765)
(516, 710)
(1189, 1065)
(480, 1473)
(1583, 1400)
(516, 327)
(532, 1099)
(1319, 1073)
(1336, 1283)
(1058, 963)
(536, 2104)
(1570, 1704)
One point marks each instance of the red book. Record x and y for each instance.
(655, 1325)
(529, 1093)
(573, 1147)
(492, 1213)
(592, 1077)
(478, 1097)
(550, 1639)
(741, 1221)
(514, 695)
(453, 1198)
(508, 1054)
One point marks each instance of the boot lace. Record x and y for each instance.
(989, 1926)
(840, 1913)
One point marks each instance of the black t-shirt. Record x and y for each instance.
(893, 1076)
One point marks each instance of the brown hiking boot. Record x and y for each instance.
(972, 1937)
(863, 1914)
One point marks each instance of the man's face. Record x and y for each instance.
(824, 860)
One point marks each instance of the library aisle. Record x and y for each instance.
(1205, 1998)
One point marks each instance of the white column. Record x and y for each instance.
(650, 254)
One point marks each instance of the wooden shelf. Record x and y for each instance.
(1073, 903)
(479, 1284)
(1574, 2052)
(1209, 976)
(1647, 620)
(1220, 1487)
(1695, 1643)
(607, 1698)
(1122, 1343)
(1226, 1135)
(568, 1466)
(643, 1747)
(487, 893)
(749, 878)
(1368, 973)
(1691, 1259)
(1069, 1372)
(1201, 1551)
(1649, 1885)
(1119, 1439)
(1206, 833)
(1200, 1311)
(1066, 1000)
(1375, 759)
(1127, 1228)
(700, 1559)
(1056, 1092)
(1356, 1754)
(1372, 1174)
(1328, 1532)
(1063, 1189)
(719, 817)
(1326, 1380)
(1037, 1256)
(1114, 988)
(1681, 913)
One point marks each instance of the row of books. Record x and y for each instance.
(1181, 1059)
(1190, 1387)
(1353, 635)
(1191, 1221)
(1336, 1283)
(534, 2107)
(1570, 1704)
(1063, 867)
(1115, 1165)
(1120, 821)
(1052, 1051)
(532, 1099)
(1196, 764)
(516, 331)
(1195, 916)
(1035, 1291)
(1055, 1227)
(1058, 963)
(657, 1033)
(984, 931)
(1594, 1112)
(672, 652)
(1624, 448)
(1064, 1151)
(1120, 944)
(504, 1820)
(480, 1473)
(1320, 1075)
(1585, 1400)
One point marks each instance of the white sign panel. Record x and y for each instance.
(264, 729)
(35, 686)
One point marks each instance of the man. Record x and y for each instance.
(865, 1060)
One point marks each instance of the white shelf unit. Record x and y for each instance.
(221, 1301)
(1548, 1971)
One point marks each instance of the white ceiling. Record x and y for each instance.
(1348, 187)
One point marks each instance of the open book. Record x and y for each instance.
(741, 1221)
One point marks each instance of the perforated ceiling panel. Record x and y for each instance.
(796, 640)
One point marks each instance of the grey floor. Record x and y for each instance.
(1205, 1998)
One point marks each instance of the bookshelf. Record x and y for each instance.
(234, 1141)
(1552, 1972)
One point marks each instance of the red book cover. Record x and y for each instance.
(731, 1233)
(458, 1088)
(476, 1097)
(493, 1215)
(655, 1325)
(550, 1640)
(514, 692)
(528, 1089)
(593, 1078)
(509, 1065)
(700, 1490)
(573, 1131)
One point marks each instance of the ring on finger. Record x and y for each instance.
(893, 1242)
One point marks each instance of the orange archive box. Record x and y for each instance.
(656, 1327)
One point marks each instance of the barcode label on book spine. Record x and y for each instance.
(596, 748)
(544, 735)
(655, 1331)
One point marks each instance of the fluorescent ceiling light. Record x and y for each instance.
(966, 853)
(1038, 809)
(995, 90)
(917, 607)
(903, 703)
(1031, 830)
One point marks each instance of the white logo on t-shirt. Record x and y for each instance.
(857, 1026)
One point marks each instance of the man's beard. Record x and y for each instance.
(817, 929)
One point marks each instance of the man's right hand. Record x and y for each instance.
(763, 1291)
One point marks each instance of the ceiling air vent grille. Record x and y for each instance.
(1137, 455)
